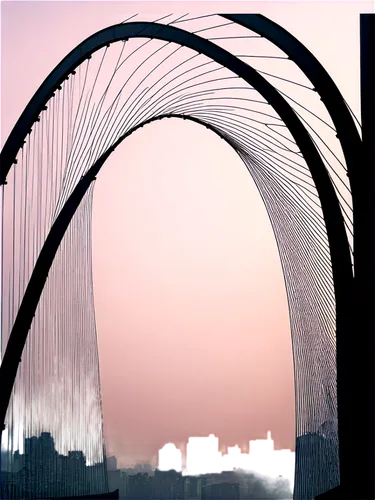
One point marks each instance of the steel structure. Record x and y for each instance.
(354, 364)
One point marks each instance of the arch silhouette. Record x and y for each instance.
(339, 248)
(323, 84)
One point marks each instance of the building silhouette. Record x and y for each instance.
(41, 472)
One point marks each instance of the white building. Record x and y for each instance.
(262, 447)
(203, 456)
(169, 456)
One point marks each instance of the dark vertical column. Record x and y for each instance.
(363, 366)
(357, 387)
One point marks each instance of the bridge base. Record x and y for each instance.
(334, 494)
(339, 493)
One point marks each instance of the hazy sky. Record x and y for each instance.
(190, 301)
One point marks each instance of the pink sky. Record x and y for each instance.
(191, 308)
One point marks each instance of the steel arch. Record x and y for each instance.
(339, 248)
(323, 84)
(351, 145)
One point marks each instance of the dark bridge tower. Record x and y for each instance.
(355, 335)
(360, 441)
(364, 269)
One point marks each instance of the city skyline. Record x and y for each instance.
(271, 469)
(41, 471)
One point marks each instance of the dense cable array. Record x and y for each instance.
(57, 389)
(115, 90)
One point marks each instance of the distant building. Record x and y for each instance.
(170, 458)
(222, 491)
(202, 454)
(316, 454)
(261, 447)
(147, 468)
(203, 458)
(111, 463)
(114, 480)
(138, 468)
